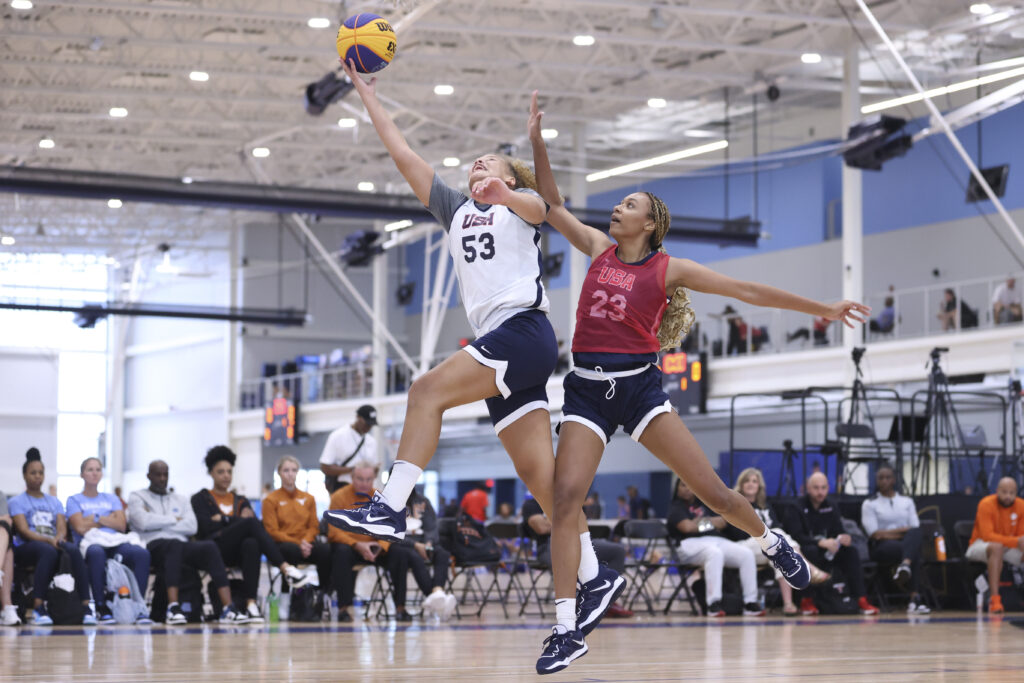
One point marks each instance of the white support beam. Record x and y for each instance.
(853, 197)
(380, 316)
(578, 262)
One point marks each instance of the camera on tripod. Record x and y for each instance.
(858, 353)
(938, 350)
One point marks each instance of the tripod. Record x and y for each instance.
(860, 424)
(942, 426)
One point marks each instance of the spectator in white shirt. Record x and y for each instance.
(1006, 303)
(890, 521)
(350, 447)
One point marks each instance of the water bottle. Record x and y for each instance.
(272, 608)
(940, 547)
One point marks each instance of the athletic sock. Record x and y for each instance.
(768, 541)
(565, 612)
(588, 559)
(404, 476)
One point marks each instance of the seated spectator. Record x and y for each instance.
(538, 527)
(750, 485)
(816, 525)
(947, 310)
(506, 513)
(8, 613)
(348, 447)
(424, 536)
(229, 521)
(476, 501)
(998, 536)
(699, 532)
(41, 529)
(621, 508)
(886, 318)
(592, 506)
(102, 515)
(289, 516)
(165, 520)
(894, 533)
(819, 330)
(349, 549)
(639, 508)
(1006, 303)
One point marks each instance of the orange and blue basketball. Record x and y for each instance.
(368, 40)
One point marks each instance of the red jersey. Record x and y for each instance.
(621, 305)
(474, 504)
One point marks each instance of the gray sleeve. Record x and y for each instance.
(3, 505)
(444, 202)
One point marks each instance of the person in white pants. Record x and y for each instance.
(701, 543)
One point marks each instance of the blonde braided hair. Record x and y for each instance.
(523, 174)
(678, 316)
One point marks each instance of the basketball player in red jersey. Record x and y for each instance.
(623, 319)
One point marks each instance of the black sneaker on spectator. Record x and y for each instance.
(753, 609)
(253, 612)
(175, 617)
(715, 609)
(229, 615)
(403, 615)
(344, 616)
(104, 615)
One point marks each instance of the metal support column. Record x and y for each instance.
(578, 261)
(853, 199)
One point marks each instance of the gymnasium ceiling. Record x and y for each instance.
(65, 63)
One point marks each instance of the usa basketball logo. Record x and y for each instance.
(616, 278)
(474, 220)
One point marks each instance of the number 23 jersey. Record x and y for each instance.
(621, 305)
(497, 257)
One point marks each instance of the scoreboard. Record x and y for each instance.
(279, 422)
(684, 379)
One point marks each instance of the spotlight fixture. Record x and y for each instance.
(405, 292)
(326, 91)
(876, 142)
(261, 152)
(319, 22)
(451, 162)
(583, 40)
(46, 143)
(444, 89)
(773, 93)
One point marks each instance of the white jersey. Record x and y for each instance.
(497, 257)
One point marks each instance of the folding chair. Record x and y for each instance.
(643, 537)
(526, 557)
(472, 585)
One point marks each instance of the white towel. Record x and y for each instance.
(108, 539)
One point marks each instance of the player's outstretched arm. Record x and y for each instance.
(527, 206)
(585, 238)
(687, 273)
(417, 172)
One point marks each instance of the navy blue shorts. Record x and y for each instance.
(523, 352)
(604, 405)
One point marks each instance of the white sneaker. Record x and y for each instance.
(434, 604)
(253, 612)
(229, 615)
(296, 577)
(450, 602)
(10, 617)
(918, 608)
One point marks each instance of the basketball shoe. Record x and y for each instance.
(594, 597)
(792, 566)
(560, 649)
(373, 518)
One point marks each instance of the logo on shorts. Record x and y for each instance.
(485, 349)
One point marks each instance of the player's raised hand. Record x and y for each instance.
(364, 88)
(533, 126)
(849, 312)
(492, 191)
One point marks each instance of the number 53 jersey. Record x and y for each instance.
(621, 305)
(497, 257)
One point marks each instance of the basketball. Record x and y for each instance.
(368, 40)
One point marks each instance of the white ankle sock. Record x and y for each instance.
(565, 612)
(767, 541)
(404, 476)
(588, 559)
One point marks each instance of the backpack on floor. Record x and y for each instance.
(307, 604)
(65, 607)
(125, 608)
(472, 543)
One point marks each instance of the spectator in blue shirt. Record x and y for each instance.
(886, 317)
(91, 510)
(41, 527)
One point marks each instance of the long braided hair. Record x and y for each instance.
(678, 316)
(523, 174)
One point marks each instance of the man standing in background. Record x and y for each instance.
(350, 447)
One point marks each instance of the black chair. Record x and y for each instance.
(645, 536)
(472, 588)
(526, 558)
(962, 531)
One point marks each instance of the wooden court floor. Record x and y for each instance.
(951, 646)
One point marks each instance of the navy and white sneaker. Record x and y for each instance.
(373, 518)
(594, 597)
(560, 649)
(792, 566)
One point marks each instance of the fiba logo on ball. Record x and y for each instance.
(368, 40)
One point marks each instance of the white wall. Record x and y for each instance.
(28, 413)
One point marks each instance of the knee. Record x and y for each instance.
(250, 545)
(712, 555)
(95, 553)
(425, 392)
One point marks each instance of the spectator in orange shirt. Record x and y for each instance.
(349, 549)
(289, 516)
(998, 535)
(476, 501)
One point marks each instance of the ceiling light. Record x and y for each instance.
(318, 22)
(115, 203)
(548, 133)
(979, 8)
(187, 180)
(346, 123)
(46, 143)
(397, 225)
(810, 58)
(583, 40)
(443, 90)
(21, 4)
(451, 162)
(658, 160)
(365, 186)
(200, 76)
(698, 133)
(656, 103)
(7, 240)
(118, 112)
(260, 152)
(944, 90)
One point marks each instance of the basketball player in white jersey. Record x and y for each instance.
(498, 263)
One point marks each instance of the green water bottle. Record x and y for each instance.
(273, 608)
